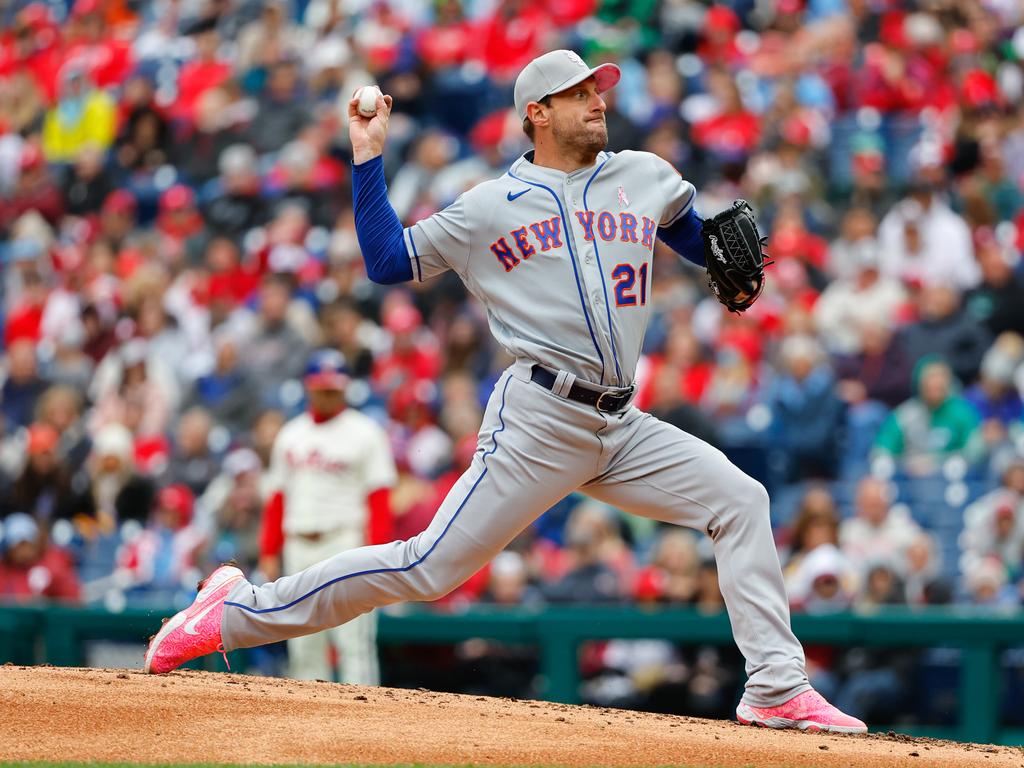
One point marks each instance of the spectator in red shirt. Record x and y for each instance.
(35, 190)
(106, 58)
(30, 569)
(733, 132)
(718, 37)
(32, 47)
(512, 36)
(450, 40)
(684, 366)
(207, 70)
(412, 356)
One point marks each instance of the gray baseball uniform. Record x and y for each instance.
(562, 264)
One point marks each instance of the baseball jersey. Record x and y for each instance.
(561, 262)
(325, 471)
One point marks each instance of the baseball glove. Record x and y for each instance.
(734, 256)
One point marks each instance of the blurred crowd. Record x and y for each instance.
(178, 237)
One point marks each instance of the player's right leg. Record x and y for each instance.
(658, 471)
(534, 449)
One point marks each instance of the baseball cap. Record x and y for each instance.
(402, 318)
(556, 71)
(41, 439)
(326, 370)
(179, 498)
(19, 528)
(176, 198)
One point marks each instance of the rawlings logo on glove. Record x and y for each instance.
(734, 256)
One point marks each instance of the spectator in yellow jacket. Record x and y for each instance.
(83, 115)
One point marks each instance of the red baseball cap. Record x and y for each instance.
(85, 7)
(177, 197)
(119, 201)
(41, 439)
(178, 498)
(403, 318)
(31, 157)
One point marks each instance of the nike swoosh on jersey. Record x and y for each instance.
(190, 625)
(517, 195)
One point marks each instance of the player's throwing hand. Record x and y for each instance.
(368, 133)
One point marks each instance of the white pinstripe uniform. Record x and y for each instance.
(325, 472)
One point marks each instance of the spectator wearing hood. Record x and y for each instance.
(933, 425)
(31, 569)
(806, 414)
(83, 115)
(945, 329)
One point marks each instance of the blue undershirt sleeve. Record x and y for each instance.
(683, 237)
(380, 233)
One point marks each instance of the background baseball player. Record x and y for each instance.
(330, 474)
(558, 250)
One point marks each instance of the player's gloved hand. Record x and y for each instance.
(734, 256)
(367, 134)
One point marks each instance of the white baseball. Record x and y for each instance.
(367, 96)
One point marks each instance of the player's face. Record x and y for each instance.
(577, 118)
(326, 401)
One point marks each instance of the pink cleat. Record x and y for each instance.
(807, 711)
(194, 631)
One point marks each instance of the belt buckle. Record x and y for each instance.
(621, 394)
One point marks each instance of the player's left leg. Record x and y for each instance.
(308, 655)
(656, 470)
(356, 643)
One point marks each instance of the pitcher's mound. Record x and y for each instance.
(112, 715)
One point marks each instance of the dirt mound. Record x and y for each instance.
(49, 713)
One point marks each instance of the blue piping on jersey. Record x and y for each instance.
(572, 257)
(685, 209)
(403, 569)
(416, 254)
(604, 283)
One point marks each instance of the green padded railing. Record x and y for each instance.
(56, 634)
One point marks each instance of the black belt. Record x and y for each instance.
(606, 401)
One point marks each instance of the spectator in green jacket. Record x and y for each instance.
(932, 425)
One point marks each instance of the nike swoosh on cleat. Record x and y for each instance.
(190, 625)
(517, 195)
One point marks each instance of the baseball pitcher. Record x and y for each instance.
(558, 250)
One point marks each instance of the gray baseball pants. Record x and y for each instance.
(535, 448)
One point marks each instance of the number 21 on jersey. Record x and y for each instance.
(625, 278)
